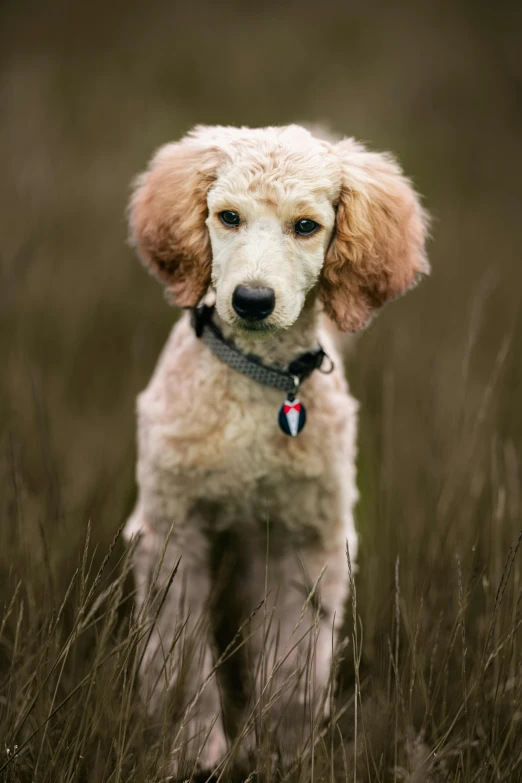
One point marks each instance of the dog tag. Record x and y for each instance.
(292, 417)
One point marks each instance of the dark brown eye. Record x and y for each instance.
(229, 218)
(305, 226)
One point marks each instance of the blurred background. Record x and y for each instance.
(87, 92)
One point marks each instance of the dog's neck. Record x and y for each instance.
(280, 348)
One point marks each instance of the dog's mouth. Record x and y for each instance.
(254, 328)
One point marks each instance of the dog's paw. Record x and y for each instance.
(199, 749)
(214, 750)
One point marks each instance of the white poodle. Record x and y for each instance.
(279, 226)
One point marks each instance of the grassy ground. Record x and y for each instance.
(430, 687)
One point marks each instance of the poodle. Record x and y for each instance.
(247, 430)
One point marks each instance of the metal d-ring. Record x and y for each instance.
(292, 395)
(330, 368)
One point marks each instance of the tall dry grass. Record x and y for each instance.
(429, 677)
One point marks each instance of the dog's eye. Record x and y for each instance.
(229, 218)
(305, 226)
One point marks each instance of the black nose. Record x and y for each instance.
(253, 303)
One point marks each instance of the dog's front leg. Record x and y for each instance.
(293, 640)
(177, 665)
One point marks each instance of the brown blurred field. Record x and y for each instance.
(87, 92)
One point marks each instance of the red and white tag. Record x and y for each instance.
(292, 417)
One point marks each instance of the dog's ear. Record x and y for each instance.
(167, 214)
(377, 248)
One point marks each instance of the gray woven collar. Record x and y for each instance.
(287, 380)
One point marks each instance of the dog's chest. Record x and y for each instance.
(213, 435)
(234, 435)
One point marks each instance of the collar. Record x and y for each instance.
(287, 380)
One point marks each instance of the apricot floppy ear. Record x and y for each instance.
(167, 214)
(378, 246)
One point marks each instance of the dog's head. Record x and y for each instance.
(268, 215)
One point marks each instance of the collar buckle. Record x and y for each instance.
(201, 316)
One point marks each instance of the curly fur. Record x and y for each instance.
(211, 458)
(167, 218)
(377, 251)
